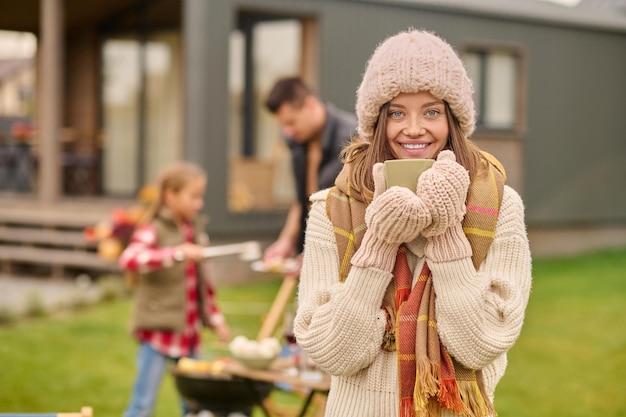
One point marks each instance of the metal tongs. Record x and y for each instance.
(247, 251)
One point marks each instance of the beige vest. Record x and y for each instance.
(160, 295)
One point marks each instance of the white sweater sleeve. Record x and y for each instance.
(480, 314)
(339, 325)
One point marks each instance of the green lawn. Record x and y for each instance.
(569, 361)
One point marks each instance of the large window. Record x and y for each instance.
(17, 108)
(496, 75)
(141, 109)
(262, 49)
(499, 77)
(17, 74)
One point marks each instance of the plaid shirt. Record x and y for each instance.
(142, 255)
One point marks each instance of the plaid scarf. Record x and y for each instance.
(429, 378)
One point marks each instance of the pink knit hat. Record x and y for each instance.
(409, 62)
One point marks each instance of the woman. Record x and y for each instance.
(411, 300)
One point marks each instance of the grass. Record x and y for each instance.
(570, 359)
(63, 362)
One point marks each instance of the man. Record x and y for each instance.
(315, 133)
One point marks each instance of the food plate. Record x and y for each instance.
(284, 266)
(255, 363)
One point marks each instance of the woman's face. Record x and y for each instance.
(417, 126)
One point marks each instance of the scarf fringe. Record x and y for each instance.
(407, 408)
(463, 398)
(474, 401)
(434, 408)
(426, 385)
(450, 397)
(426, 377)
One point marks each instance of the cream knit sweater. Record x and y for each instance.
(341, 325)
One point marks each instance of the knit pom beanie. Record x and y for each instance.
(409, 62)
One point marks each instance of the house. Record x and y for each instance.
(133, 84)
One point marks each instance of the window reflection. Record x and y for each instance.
(142, 113)
(261, 51)
(494, 74)
(120, 116)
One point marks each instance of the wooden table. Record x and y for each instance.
(278, 373)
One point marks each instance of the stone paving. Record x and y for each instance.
(19, 293)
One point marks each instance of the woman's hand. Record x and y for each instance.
(395, 216)
(443, 188)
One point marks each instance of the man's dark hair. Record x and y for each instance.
(292, 90)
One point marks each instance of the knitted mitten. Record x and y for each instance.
(448, 246)
(393, 217)
(443, 188)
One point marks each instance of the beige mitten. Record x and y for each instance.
(448, 246)
(443, 188)
(393, 217)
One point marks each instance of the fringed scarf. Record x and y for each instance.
(429, 378)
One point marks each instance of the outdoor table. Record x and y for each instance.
(278, 373)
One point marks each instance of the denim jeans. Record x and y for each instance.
(150, 368)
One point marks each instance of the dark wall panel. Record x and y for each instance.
(575, 143)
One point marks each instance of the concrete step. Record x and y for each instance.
(66, 218)
(50, 237)
(58, 259)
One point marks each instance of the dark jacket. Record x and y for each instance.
(338, 130)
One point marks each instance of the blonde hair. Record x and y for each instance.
(362, 154)
(174, 177)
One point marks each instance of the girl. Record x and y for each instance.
(173, 294)
(411, 300)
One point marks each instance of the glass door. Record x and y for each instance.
(142, 109)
